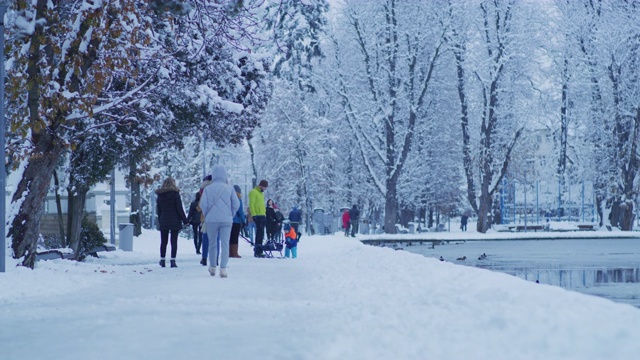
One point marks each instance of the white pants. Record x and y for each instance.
(223, 231)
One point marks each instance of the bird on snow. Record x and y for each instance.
(441, 259)
(462, 258)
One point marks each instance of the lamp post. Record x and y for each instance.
(112, 208)
(526, 185)
(3, 172)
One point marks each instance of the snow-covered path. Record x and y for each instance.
(339, 300)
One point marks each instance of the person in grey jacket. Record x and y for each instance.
(219, 204)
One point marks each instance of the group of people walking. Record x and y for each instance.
(217, 218)
(350, 220)
(212, 215)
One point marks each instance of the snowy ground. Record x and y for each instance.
(339, 300)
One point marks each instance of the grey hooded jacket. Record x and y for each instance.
(219, 201)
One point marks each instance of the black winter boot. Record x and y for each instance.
(173, 264)
(203, 262)
(162, 263)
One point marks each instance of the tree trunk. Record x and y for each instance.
(254, 177)
(34, 186)
(484, 213)
(627, 216)
(56, 182)
(630, 174)
(390, 207)
(564, 133)
(135, 216)
(77, 196)
(600, 208)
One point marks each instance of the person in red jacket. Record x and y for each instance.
(346, 222)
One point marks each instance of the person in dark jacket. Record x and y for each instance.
(171, 218)
(194, 220)
(354, 217)
(239, 219)
(272, 220)
(295, 218)
(203, 225)
(463, 222)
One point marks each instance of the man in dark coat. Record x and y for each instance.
(171, 218)
(295, 217)
(194, 220)
(354, 217)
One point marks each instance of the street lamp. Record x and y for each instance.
(3, 171)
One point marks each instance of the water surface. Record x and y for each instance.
(608, 268)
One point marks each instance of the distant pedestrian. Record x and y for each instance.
(171, 218)
(259, 214)
(272, 220)
(463, 222)
(239, 220)
(219, 204)
(346, 222)
(295, 218)
(203, 227)
(250, 229)
(354, 218)
(279, 220)
(194, 219)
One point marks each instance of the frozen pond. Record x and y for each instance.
(604, 267)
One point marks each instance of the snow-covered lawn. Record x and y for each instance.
(339, 300)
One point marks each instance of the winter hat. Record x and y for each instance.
(264, 183)
(237, 189)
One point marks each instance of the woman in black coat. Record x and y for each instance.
(171, 218)
(272, 221)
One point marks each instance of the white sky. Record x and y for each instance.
(339, 300)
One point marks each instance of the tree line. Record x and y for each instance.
(426, 107)
(406, 108)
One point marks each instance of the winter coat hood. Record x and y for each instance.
(219, 201)
(218, 174)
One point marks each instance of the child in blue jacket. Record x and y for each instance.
(290, 241)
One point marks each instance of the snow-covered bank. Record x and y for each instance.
(503, 235)
(339, 300)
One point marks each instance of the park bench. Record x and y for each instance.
(534, 228)
(59, 254)
(586, 227)
(401, 229)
